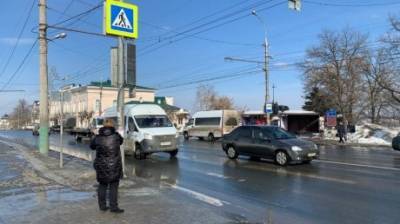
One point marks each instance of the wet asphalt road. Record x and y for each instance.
(346, 185)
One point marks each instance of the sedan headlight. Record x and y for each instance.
(296, 148)
(148, 136)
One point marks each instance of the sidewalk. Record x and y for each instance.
(34, 190)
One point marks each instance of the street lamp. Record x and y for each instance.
(266, 64)
(58, 36)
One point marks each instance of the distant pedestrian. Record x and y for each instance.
(341, 132)
(108, 165)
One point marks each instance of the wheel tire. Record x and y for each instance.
(78, 139)
(281, 158)
(211, 137)
(186, 135)
(139, 155)
(201, 138)
(173, 153)
(306, 161)
(231, 152)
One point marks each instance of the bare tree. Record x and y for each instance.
(335, 67)
(376, 97)
(222, 103)
(208, 99)
(21, 115)
(391, 81)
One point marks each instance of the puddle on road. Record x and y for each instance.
(22, 204)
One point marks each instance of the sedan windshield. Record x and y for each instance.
(153, 121)
(278, 133)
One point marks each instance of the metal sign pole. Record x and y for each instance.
(121, 95)
(61, 129)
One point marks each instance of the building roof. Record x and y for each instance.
(254, 112)
(108, 84)
(299, 112)
(166, 107)
(5, 116)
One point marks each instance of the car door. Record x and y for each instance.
(244, 140)
(131, 134)
(263, 142)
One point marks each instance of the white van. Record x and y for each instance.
(211, 124)
(147, 130)
(96, 124)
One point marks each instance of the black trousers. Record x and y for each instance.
(112, 194)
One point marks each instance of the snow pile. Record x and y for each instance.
(368, 133)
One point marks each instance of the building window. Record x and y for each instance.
(97, 105)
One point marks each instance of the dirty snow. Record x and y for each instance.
(367, 133)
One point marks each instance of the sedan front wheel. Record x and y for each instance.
(282, 158)
(232, 153)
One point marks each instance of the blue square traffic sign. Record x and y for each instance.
(121, 18)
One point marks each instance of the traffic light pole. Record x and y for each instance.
(44, 104)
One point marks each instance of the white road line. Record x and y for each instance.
(197, 195)
(357, 165)
(283, 171)
(218, 175)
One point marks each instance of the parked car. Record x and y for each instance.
(396, 142)
(55, 128)
(211, 124)
(268, 142)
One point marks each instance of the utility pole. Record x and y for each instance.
(121, 94)
(61, 127)
(266, 70)
(44, 104)
(101, 95)
(273, 93)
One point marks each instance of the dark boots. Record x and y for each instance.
(113, 197)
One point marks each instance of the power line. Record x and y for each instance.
(211, 15)
(18, 38)
(210, 28)
(203, 38)
(219, 19)
(20, 65)
(65, 9)
(79, 15)
(78, 31)
(210, 79)
(198, 74)
(351, 5)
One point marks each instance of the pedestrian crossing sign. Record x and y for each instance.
(121, 19)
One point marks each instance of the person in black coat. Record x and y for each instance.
(108, 165)
(341, 129)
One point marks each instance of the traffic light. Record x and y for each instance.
(295, 4)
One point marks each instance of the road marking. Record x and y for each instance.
(197, 195)
(218, 175)
(357, 165)
(284, 171)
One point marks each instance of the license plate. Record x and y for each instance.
(165, 143)
(312, 154)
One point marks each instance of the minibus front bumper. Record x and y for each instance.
(165, 143)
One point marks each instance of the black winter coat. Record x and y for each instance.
(108, 163)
